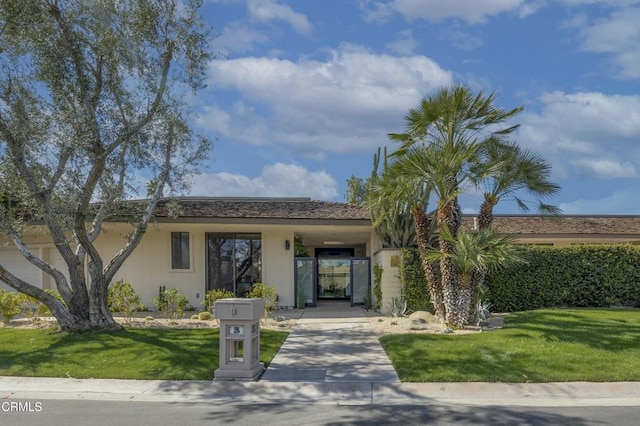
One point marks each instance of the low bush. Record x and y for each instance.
(122, 298)
(266, 292)
(10, 305)
(204, 316)
(211, 296)
(171, 302)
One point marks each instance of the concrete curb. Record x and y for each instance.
(331, 393)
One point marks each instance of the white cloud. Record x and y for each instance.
(276, 180)
(619, 36)
(405, 44)
(606, 168)
(472, 12)
(238, 37)
(622, 201)
(585, 133)
(347, 103)
(270, 10)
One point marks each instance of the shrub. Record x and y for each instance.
(377, 286)
(575, 276)
(123, 298)
(414, 284)
(10, 305)
(204, 316)
(194, 317)
(211, 296)
(171, 303)
(266, 292)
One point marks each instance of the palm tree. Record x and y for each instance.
(504, 170)
(442, 144)
(482, 250)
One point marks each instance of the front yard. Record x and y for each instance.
(536, 346)
(131, 353)
(549, 345)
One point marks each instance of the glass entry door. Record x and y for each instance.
(334, 274)
(360, 279)
(305, 282)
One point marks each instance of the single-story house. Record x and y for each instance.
(231, 243)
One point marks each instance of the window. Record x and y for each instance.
(180, 250)
(234, 261)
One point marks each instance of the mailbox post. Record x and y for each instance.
(239, 338)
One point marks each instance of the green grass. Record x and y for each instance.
(167, 354)
(548, 345)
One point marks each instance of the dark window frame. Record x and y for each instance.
(252, 272)
(180, 251)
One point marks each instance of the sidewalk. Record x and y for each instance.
(329, 393)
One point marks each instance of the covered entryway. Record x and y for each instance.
(332, 275)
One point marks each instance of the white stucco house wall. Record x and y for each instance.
(232, 243)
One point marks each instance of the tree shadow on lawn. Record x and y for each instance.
(178, 354)
(610, 330)
(141, 353)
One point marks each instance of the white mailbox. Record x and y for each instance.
(239, 338)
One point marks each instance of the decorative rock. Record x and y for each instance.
(423, 317)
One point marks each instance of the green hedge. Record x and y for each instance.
(574, 276)
(414, 286)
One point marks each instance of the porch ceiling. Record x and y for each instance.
(334, 238)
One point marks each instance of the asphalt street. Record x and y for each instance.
(99, 413)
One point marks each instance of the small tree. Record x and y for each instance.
(172, 303)
(482, 250)
(124, 299)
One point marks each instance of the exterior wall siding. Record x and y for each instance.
(390, 283)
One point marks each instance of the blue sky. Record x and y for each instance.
(302, 92)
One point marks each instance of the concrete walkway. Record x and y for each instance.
(331, 343)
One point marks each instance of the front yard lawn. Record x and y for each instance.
(131, 353)
(548, 345)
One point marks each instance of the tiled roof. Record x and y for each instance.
(265, 208)
(522, 224)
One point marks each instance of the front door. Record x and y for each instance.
(334, 273)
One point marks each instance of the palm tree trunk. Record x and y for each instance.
(422, 224)
(485, 219)
(465, 296)
(449, 219)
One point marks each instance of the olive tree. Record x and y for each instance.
(91, 108)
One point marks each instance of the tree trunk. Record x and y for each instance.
(465, 295)
(449, 218)
(485, 219)
(422, 224)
